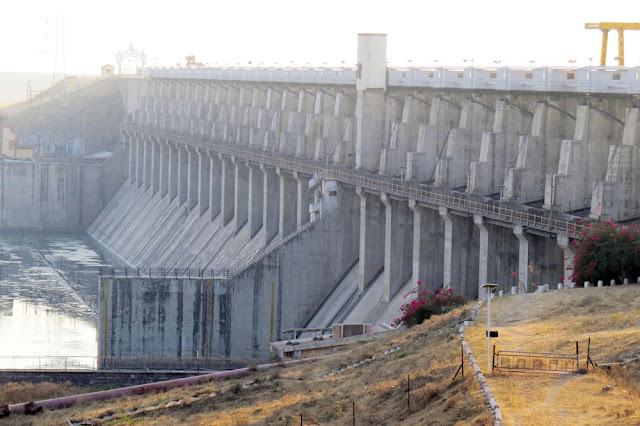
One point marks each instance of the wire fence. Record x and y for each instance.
(95, 363)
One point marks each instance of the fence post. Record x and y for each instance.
(493, 359)
(408, 392)
(577, 357)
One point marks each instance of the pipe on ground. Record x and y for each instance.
(67, 401)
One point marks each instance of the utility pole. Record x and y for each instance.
(489, 288)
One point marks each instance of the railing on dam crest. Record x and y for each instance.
(535, 218)
(592, 79)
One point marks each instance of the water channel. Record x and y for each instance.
(48, 298)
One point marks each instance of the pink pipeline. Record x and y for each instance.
(67, 401)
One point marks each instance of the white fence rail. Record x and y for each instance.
(599, 79)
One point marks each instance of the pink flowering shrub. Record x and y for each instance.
(607, 251)
(425, 304)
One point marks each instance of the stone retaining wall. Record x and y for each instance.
(493, 405)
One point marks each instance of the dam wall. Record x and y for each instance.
(455, 186)
(77, 165)
(53, 194)
(231, 317)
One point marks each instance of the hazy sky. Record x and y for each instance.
(271, 31)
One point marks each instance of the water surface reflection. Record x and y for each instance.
(48, 294)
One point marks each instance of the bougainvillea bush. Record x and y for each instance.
(607, 251)
(425, 304)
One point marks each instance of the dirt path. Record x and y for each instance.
(552, 322)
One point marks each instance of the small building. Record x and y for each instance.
(343, 335)
(9, 146)
(107, 70)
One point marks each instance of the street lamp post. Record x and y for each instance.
(489, 288)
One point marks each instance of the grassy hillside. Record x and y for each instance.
(553, 322)
(323, 391)
(374, 375)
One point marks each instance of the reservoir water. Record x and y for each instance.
(48, 297)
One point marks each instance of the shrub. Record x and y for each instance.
(425, 394)
(607, 251)
(14, 393)
(426, 304)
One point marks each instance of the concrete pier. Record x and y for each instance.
(192, 178)
(398, 260)
(256, 199)
(215, 185)
(372, 237)
(183, 174)
(241, 195)
(204, 181)
(428, 248)
(271, 203)
(227, 189)
(288, 202)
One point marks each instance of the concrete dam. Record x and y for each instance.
(260, 200)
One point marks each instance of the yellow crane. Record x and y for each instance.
(605, 27)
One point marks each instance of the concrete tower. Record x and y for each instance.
(371, 84)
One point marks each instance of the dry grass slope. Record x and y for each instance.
(553, 322)
(429, 353)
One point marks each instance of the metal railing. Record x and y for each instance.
(597, 79)
(209, 273)
(95, 363)
(277, 242)
(535, 218)
(160, 272)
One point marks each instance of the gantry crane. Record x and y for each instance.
(605, 27)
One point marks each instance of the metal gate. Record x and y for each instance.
(535, 362)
